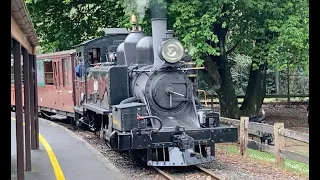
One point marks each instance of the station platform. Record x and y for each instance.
(62, 156)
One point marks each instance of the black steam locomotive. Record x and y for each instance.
(142, 101)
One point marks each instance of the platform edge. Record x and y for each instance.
(98, 154)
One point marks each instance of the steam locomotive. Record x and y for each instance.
(141, 100)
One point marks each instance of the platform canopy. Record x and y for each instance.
(22, 29)
(24, 88)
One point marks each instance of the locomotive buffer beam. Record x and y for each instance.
(176, 147)
(142, 139)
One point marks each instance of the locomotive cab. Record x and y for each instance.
(89, 54)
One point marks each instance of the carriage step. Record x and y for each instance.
(58, 116)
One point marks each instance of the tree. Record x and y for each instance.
(62, 24)
(212, 30)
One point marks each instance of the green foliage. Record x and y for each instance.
(193, 24)
(240, 72)
(298, 82)
(264, 30)
(292, 44)
(273, 30)
(62, 24)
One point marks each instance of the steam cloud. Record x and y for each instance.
(158, 8)
(141, 8)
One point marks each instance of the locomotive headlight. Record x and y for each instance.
(171, 50)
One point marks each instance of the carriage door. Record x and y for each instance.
(79, 81)
(57, 74)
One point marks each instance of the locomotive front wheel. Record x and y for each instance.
(76, 123)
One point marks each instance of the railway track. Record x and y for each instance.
(207, 172)
(163, 174)
(210, 173)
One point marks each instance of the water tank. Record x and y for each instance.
(120, 55)
(130, 44)
(145, 51)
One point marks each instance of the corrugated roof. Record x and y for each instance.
(20, 13)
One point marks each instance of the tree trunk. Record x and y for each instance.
(255, 92)
(227, 95)
(221, 77)
(219, 70)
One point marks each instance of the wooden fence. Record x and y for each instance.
(213, 99)
(278, 131)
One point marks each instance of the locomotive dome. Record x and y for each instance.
(145, 43)
(130, 44)
(120, 54)
(145, 51)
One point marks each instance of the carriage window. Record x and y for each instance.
(48, 73)
(67, 76)
(94, 56)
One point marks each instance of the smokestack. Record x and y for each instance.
(159, 28)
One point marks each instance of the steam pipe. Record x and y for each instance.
(159, 29)
(198, 102)
(129, 100)
(152, 117)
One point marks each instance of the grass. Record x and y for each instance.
(293, 166)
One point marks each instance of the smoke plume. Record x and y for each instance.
(158, 8)
(141, 6)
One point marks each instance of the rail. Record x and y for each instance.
(279, 132)
(202, 169)
(164, 174)
(210, 173)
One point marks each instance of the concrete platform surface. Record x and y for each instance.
(71, 157)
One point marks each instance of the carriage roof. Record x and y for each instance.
(59, 53)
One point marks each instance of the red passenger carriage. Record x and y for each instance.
(55, 74)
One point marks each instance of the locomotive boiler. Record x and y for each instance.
(142, 101)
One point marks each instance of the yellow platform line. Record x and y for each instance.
(54, 161)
